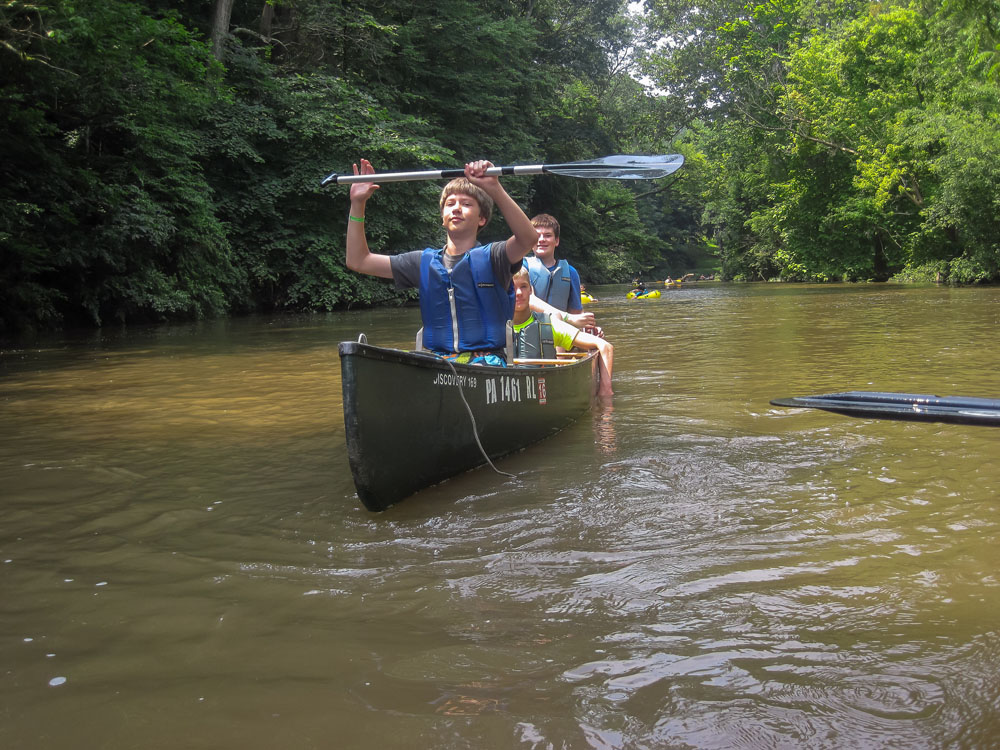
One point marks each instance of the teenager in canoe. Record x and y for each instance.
(465, 287)
(536, 335)
(556, 281)
(466, 296)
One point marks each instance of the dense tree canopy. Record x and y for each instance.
(162, 160)
(847, 140)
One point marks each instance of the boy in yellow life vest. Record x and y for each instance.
(536, 335)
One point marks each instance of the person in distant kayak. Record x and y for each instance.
(536, 335)
(556, 281)
(466, 295)
(638, 287)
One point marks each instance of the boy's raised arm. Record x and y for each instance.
(525, 235)
(359, 257)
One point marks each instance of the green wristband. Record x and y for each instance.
(356, 218)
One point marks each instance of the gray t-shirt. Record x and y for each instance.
(406, 266)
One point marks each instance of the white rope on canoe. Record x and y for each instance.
(472, 418)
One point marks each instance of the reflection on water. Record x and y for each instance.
(604, 425)
(183, 562)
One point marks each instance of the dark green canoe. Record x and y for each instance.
(407, 425)
(908, 406)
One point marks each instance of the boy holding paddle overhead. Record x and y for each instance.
(466, 297)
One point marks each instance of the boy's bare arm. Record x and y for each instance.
(525, 235)
(607, 351)
(580, 320)
(584, 340)
(359, 257)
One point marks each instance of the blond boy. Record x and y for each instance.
(537, 335)
(465, 287)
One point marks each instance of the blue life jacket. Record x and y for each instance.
(535, 340)
(551, 284)
(464, 310)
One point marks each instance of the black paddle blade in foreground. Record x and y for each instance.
(909, 406)
(617, 167)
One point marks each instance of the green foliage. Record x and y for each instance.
(122, 224)
(146, 180)
(456, 87)
(276, 137)
(847, 140)
(961, 226)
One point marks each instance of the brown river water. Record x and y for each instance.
(184, 564)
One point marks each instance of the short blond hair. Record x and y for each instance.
(461, 186)
(521, 273)
(548, 221)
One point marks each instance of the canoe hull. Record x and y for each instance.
(407, 426)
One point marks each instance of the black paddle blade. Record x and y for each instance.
(916, 407)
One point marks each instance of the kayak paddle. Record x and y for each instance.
(907, 406)
(617, 167)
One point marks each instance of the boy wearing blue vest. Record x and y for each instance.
(466, 296)
(536, 335)
(556, 282)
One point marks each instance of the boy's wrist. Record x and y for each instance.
(492, 187)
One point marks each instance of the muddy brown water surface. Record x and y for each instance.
(183, 561)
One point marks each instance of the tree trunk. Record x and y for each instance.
(220, 26)
(266, 21)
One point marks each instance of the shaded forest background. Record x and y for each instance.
(162, 160)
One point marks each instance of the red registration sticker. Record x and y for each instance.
(541, 390)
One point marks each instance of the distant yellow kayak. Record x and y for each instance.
(586, 298)
(672, 283)
(652, 294)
